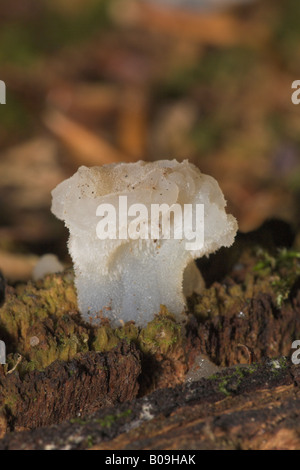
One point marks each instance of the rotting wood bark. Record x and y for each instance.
(67, 390)
(249, 407)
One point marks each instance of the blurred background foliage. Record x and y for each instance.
(96, 81)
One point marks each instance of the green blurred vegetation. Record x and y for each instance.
(24, 42)
(216, 66)
(287, 35)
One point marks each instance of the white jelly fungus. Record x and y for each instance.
(124, 277)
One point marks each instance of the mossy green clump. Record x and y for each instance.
(30, 303)
(105, 422)
(282, 271)
(105, 338)
(109, 420)
(161, 335)
(265, 273)
(277, 365)
(220, 299)
(230, 382)
(40, 322)
(236, 378)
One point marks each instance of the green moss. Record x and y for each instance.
(213, 377)
(162, 334)
(109, 420)
(231, 382)
(277, 365)
(105, 338)
(128, 332)
(90, 441)
(253, 368)
(105, 422)
(40, 321)
(223, 389)
(80, 421)
(266, 273)
(281, 270)
(283, 362)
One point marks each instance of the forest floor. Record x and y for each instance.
(225, 379)
(91, 82)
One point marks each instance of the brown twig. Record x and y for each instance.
(88, 149)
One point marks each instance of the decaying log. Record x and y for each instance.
(70, 389)
(249, 407)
